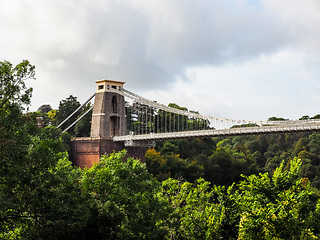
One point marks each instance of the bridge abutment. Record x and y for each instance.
(85, 152)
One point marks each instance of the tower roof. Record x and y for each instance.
(105, 85)
(110, 82)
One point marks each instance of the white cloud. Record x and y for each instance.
(239, 54)
(301, 20)
(256, 89)
(55, 64)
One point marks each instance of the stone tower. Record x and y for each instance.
(108, 120)
(108, 116)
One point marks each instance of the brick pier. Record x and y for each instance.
(87, 151)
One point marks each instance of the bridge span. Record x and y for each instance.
(123, 119)
(129, 139)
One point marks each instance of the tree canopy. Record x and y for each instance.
(255, 187)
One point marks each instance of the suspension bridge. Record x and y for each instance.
(122, 118)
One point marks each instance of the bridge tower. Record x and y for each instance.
(108, 116)
(108, 120)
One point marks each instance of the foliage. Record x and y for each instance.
(52, 115)
(245, 125)
(35, 197)
(281, 206)
(155, 163)
(276, 119)
(66, 108)
(42, 196)
(83, 127)
(45, 108)
(276, 207)
(221, 160)
(195, 215)
(13, 90)
(14, 139)
(14, 97)
(217, 162)
(123, 200)
(170, 165)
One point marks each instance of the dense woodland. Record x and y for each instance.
(245, 187)
(221, 161)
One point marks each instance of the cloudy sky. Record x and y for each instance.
(240, 59)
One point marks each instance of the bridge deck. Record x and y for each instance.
(220, 132)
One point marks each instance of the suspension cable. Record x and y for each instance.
(78, 119)
(76, 110)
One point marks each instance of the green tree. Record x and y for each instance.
(316, 117)
(37, 184)
(34, 121)
(52, 206)
(52, 116)
(122, 200)
(66, 108)
(14, 137)
(276, 119)
(300, 146)
(13, 90)
(83, 127)
(305, 117)
(14, 97)
(156, 164)
(195, 215)
(276, 207)
(56, 140)
(314, 143)
(45, 108)
(169, 148)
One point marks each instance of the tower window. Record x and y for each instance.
(114, 104)
(100, 87)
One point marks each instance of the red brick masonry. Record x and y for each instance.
(87, 151)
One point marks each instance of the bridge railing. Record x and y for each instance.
(293, 127)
